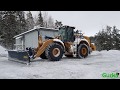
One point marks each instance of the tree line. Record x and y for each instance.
(15, 22)
(107, 39)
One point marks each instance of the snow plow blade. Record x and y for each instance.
(19, 56)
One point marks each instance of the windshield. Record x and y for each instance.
(61, 32)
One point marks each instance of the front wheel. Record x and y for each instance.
(82, 51)
(54, 52)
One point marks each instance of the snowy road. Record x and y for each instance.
(92, 67)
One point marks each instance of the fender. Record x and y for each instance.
(79, 40)
(84, 40)
(59, 41)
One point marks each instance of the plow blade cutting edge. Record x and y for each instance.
(19, 56)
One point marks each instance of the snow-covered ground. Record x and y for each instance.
(3, 52)
(90, 68)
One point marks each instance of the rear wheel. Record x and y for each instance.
(83, 51)
(54, 52)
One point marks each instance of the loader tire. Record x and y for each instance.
(43, 56)
(82, 51)
(54, 52)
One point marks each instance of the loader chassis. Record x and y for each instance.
(68, 43)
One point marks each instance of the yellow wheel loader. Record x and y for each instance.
(68, 43)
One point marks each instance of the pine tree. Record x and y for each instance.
(30, 21)
(116, 38)
(1, 32)
(22, 25)
(108, 38)
(9, 28)
(100, 40)
(0, 23)
(13, 23)
(40, 20)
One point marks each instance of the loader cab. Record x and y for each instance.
(67, 33)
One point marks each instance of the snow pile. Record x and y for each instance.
(3, 52)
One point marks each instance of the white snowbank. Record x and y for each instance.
(3, 52)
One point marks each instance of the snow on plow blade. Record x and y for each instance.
(19, 56)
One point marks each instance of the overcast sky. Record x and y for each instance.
(90, 22)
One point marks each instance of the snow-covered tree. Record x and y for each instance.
(30, 21)
(40, 20)
(22, 25)
(1, 32)
(116, 38)
(13, 23)
(9, 28)
(0, 22)
(108, 38)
